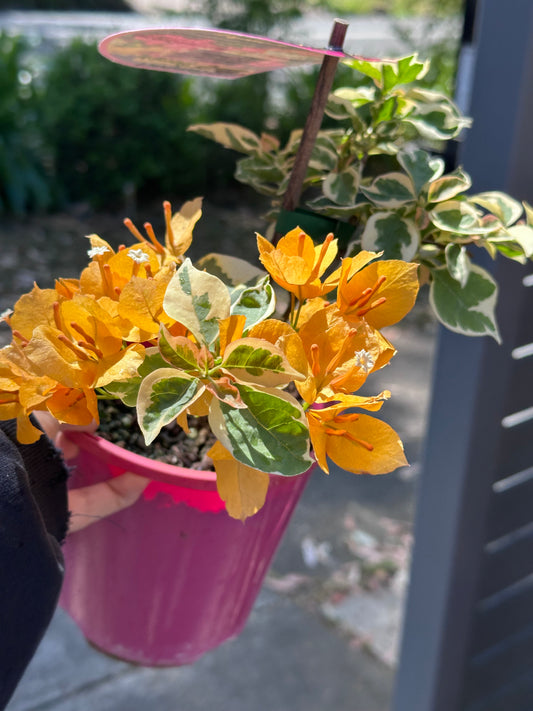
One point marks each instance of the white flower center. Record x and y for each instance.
(138, 256)
(364, 360)
(96, 251)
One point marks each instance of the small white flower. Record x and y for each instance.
(364, 360)
(97, 251)
(5, 314)
(138, 256)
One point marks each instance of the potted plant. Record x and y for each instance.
(271, 380)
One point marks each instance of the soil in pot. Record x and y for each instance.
(118, 424)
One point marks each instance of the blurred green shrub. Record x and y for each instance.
(23, 181)
(114, 131)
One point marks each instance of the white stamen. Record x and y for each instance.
(138, 256)
(97, 251)
(364, 360)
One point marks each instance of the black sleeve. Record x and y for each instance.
(33, 522)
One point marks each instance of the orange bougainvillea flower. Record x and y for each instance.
(358, 443)
(296, 264)
(21, 391)
(381, 292)
(178, 234)
(340, 355)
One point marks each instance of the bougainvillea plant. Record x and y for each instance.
(172, 339)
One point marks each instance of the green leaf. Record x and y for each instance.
(341, 188)
(385, 110)
(390, 190)
(197, 300)
(448, 186)
(458, 263)
(458, 217)
(470, 309)
(269, 434)
(387, 232)
(256, 302)
(255, 360)
(164, 395)
(410, 69)
(403, 71)
(421, 166)
(506, 209)
(230, 135)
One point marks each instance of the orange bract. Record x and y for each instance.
(296, 264)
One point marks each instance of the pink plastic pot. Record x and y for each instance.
(173, 576)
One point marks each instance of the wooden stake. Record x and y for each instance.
(314, 118)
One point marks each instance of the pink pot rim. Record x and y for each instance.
(116, 456)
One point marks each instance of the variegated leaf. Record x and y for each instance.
(421, 166)
(230, 135)
(254, 360)
(231, 270)
(269, 434)
(529, 213)
(468, 309)
(325, 154)
(255, 303)
(163, 396)
(506, 209)
(323, 206)
(396, 237)
(459, 217)
(458, 262)
(390, 190)
(448, 186)
(435, 116)
(341, 188)
(128, 390)
(340, 108)
(516, 242)
(197, 300)
(178, 351)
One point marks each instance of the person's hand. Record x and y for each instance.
(91, 503)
